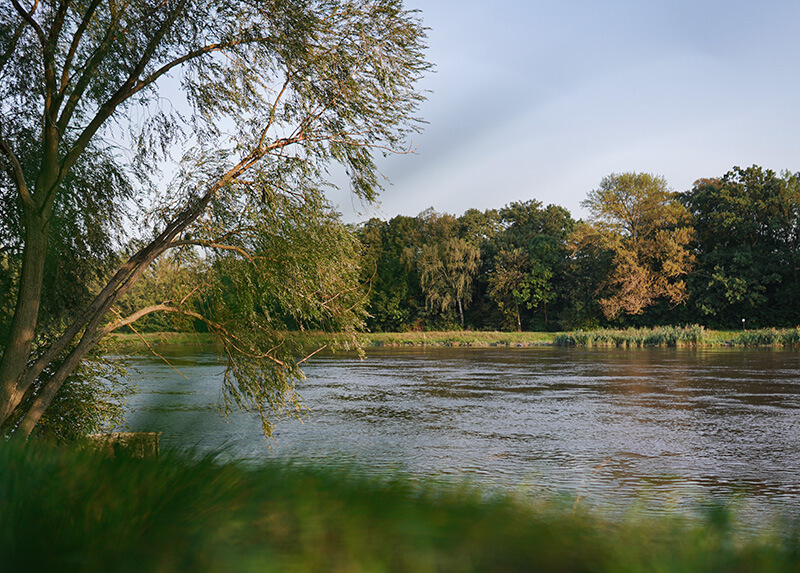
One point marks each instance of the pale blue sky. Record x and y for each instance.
(542, 99)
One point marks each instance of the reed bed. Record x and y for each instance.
(667, 336)
(766, 337)
(74, 510)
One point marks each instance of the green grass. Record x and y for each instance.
(160, 341)
(635, 337)
(459, 338)
(68, 510)
(672, 336)
(666, 336)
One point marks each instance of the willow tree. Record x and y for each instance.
(647, 229)
(252, 100)
(447, 270)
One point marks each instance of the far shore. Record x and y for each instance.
(690, 336)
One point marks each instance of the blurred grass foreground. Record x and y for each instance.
(78, 510)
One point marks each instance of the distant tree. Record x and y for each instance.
(507, 282)
(479, 227)
(446, 263)
(527, 259)
(748, 241)
(640, 221)
(395, 302)
(447, 269)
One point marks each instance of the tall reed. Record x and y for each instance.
(634, 337)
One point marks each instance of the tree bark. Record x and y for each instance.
(128, 274)
(23, 325)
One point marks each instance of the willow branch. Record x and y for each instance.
(28, 17)
(153, 350)
(213, 245)
(73, 48)
(12, 45)
(17, 175)
(320, 349)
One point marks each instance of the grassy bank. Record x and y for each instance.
(679, 336)
(174, 340)
(65, 510)
(668, 336)
(460, 338)
(160, 341)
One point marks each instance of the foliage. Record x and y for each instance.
(396, 302)
(263, 97)
(446, 272)
(638, 219)
(748, 233)
(76, 511)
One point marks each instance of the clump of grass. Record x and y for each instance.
(669, 336)
(766, 337)
(67, 510)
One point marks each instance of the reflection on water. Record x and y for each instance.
(663, 427)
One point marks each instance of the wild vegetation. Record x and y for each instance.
(723, 254)
(243, 246)
(71, 510)
(248, 103)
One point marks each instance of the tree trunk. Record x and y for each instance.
(519, 321)
(127, 275)
(23, 325)
(461, 312)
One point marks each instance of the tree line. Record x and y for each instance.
(723, 254)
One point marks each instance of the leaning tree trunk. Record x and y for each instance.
(87, 328)
(17, 350)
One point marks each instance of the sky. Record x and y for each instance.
(542, 99)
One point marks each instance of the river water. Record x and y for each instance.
(650, 429)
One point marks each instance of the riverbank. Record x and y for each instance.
(685, 336)
(73, 510)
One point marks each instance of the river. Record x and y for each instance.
(654, 429)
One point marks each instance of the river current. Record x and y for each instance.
(652, 429)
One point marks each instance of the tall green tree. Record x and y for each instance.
(395, 302)
(528, 260)
(274, 91)
(748, 242)
(637, 218)
(447, 269)
(446, 263)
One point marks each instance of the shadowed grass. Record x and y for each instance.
(67, 510)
